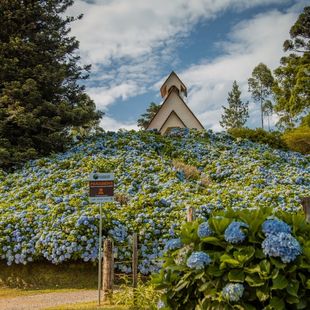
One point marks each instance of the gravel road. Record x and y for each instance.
(42, 301)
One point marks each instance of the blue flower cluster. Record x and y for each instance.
(198, 260)
(173, 244)
(233, 291)
(234, 232)
(275, 226)
(45, 211)
(204, 230)
(281, 245)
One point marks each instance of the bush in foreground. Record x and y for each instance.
(239, 260)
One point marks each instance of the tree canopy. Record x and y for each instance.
(260, 86)
(292, 87)
(236, 114)
(41, 98)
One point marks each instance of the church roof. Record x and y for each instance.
(175, 90)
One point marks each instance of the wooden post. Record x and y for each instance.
(107, 269)
(112, 262)
(134, 265)
(306, 205)
(190, 214)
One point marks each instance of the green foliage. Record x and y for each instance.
(268, 282)
(237, 112)
(260, 136)
(260, 84)
(145, 118)
(292, 87)
(292, 90)
(144, 297)
(298, 139)
(300, 33)
(41, 100)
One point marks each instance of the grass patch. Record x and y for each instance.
(88, 306)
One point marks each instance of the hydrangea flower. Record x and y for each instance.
(234, 233)
(173, 244)
(282, 245)
(198, 260)
(160, 304)
(233, 291)
(275, 226)
(204, 230)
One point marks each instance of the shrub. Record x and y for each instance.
(298, 139)
(190, 172)
(259, 135)
(239, 260)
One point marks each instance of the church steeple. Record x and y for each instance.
(173, 81)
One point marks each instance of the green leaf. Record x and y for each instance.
(244, 254)
(263, 292)
(219, 224)
(277, 303)
(292, 299)
(253, 269)
(213, 241)
(254, 280)
(302, 304)
(279, 283)
(277, 263)
(293, 287)
(181, 285)
(236, 275)
(214, 271)
(225, 258)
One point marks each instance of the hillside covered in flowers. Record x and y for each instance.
(45, 213)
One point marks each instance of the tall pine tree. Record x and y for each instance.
(237, 112)
(41, 99)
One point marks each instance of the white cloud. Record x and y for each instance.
(104, 96)
(129, 43)
(251, 42)
(110, 124)
(137, 38)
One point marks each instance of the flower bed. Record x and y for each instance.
(247, 259)
(45, 213)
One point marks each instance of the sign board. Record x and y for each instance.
(101, 187)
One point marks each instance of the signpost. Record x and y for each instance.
(101, 189)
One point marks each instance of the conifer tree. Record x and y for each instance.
(237, 112)
(41, 99)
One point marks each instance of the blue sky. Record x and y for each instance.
(134, 45)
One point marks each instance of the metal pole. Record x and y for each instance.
(100, 256)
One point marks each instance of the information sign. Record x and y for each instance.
(101, 187)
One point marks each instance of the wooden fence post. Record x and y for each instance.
(134, 265)
(190, 214)
(107, 269)
(306, 205)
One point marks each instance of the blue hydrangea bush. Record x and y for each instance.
(45, 213)
(249, 259)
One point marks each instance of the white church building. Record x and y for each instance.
(174, 112)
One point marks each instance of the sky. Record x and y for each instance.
(133, 45)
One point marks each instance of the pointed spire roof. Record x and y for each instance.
(172, 80)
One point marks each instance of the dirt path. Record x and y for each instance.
(42, 301)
